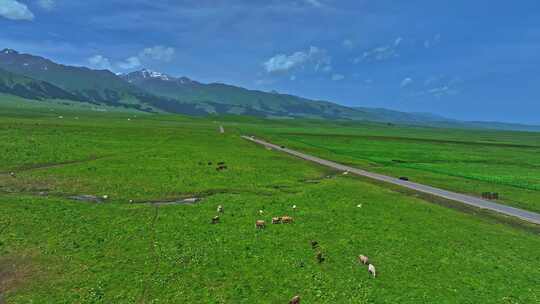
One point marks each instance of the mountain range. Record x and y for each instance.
(35, 77)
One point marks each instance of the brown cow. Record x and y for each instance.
(215, 219)
(320, 257)
(363, 259)
(286, 220)
(260, 224)
(295, 300)
(276, 220)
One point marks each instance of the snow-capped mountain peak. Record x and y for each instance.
(147, 74)
(9, 51)
(153, 74)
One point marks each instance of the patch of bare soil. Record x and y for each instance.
(184, 201)
(87, 198)
(15, 271)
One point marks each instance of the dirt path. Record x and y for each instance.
(527, 216)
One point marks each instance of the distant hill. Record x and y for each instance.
(26, 87)
(84, 84)
(38, 78)
(379, 114)
(227, 99)
(151, 91)
(91, 85)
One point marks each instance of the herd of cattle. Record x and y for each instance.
(220, 166)
(261, 224)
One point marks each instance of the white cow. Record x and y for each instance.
(371, 269)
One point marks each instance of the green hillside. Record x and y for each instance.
(223, 98)
(86, 84)
(29, 88)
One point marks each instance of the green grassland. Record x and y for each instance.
(56, 250)
(466, 161)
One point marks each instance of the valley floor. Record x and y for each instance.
(126, 249)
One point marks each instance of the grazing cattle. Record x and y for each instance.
(295, 300)
(215, 219)
(221, 168)
(220, 209)
(276, 220)
(12, 174)
(221, 163)
(319, 257)
(261, 212)
(363, 259)
(371, 269)
(105, 197)
(260, 224)
(314, 244)
(209, 163)
(131, 201)
(286, 220)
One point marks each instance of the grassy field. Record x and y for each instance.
(57, 250)
(465, 161)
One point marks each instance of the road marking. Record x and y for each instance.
(527, 216)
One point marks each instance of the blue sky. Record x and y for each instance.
(471, 60)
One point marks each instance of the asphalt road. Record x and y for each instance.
(528, 216)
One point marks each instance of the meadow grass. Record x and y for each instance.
(56, 250)
(470, 161)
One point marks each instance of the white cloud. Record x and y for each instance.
(348, 44)
(381, 53)
(283, 63)
(130, 63)
(443, 91)
(440, 86)
(99, 62)
(442, 80)
(47, 4)
(337, 77)
(315, 3)
(14, 10)
(406, 82)
(158, 52)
